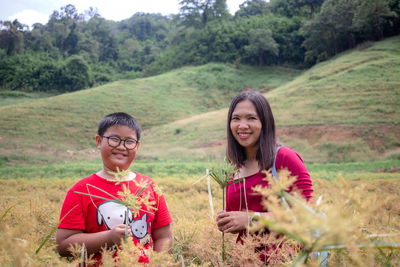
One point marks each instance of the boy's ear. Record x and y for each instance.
(138, 145)
(98, 141)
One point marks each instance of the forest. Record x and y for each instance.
(74, 51)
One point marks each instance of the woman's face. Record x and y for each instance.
(246, 125)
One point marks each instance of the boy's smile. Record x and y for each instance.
(119, 156)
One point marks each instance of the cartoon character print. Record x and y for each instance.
(113, 214)
(139, 229)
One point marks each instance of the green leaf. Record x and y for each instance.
(90, 195)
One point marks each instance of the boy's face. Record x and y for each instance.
(119, 156)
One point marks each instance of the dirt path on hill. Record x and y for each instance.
(379, 137)
(373, 142)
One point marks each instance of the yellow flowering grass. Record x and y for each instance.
(369, 208)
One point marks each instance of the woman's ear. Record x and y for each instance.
(98, 141)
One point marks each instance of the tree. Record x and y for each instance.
(70, 44)
(197, 13)
(39, 39)
(47, 77)
(75, 74)
(220, 10)
(252, 8)
(341, 24)
(12, 36)
(330, 31)
(312, 5)
(290, 8)
(372, 17)
(261, 45)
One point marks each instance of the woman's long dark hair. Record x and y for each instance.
(267, 142)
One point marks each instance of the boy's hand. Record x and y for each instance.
(117, 233)
(232, 221)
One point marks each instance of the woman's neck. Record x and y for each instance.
(251, 153)
(249, 167)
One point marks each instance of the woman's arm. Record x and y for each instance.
(162, 238)
(94, 242)
(289, 159)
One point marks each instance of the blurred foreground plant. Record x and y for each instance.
(335, 227)
(222, 174)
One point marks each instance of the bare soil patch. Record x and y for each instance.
(376, 136)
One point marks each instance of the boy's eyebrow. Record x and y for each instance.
(116, 135)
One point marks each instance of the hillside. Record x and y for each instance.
(62, 127)
(344, 109)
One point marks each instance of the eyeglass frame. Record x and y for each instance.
(120, 140)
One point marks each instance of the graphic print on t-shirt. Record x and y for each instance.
(139, 229)
(112, 214)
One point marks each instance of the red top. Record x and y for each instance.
(236, 196)
(92, 214)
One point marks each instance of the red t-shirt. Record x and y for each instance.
(92, 214)
(240, 196)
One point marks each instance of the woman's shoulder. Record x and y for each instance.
(285, 150)
(286, 155)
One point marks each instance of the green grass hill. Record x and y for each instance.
(63, 127)
(344, 109)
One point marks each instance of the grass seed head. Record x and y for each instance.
(221, 172)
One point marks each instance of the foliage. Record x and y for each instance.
(196, 238)
(252, 8)
(198, 13)
(32, 71)
(322, 227)
(262, 45)
(202, 32)
(342, 24)
(75, 75)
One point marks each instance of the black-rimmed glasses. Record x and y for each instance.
(114, 141)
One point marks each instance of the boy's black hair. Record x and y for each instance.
(119, 118)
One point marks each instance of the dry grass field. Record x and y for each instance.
(29, 211)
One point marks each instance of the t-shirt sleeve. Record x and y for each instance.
(162, 216)
(291, 160)
(71, 215)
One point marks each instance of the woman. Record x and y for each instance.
(252, 148)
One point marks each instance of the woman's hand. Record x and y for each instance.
(232, 221)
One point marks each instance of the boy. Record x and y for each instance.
(87, 218)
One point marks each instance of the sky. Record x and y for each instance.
(32, 11)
